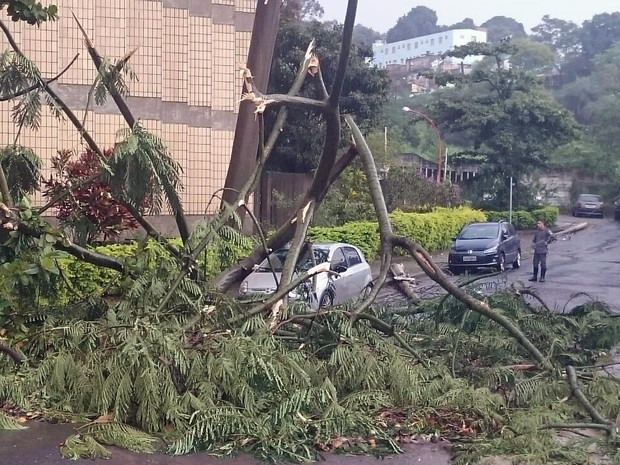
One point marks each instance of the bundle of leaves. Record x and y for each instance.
(90, 211)
(206, 373)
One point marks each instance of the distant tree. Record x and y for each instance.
(365, 91)
(420, 21)
(532, 56)
(467, 23)
(600, 33)
(560, 35)
(300, 10)
(509, 120)
(365, 36)
(500, 27)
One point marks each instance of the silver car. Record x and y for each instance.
(352, 280)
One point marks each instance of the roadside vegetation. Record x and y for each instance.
(160, 357)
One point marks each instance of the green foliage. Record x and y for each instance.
(419, 21)
(500, 27)
(29, 11)
(433, 230)
(9, 423)
(407, 190)
(141, 169)
(510, 123)
(22, 168)
(526, 220)
(348, 200)
(365, 91)
(364, 234)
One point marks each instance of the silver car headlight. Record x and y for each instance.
(491, 250)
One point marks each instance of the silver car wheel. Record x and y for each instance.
(517, 263)
(327, 300)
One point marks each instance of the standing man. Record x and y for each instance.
(542, 237)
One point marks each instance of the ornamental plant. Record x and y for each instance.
(90, 212)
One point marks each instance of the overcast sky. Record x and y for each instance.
(381, 15)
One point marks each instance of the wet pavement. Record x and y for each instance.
(39, 445)
(582, 266)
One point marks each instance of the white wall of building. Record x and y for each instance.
(432, 44)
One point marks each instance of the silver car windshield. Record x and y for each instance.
(480, 231)
(278, 258)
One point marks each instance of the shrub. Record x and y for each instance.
(526, 220)
(433, 230)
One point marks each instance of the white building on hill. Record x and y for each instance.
(397, 53)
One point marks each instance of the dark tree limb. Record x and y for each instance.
(423, 258)
(122, 106)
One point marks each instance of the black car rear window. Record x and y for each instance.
(278, 257)
(479, 231)
(589, 198)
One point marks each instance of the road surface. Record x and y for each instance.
(580, 267)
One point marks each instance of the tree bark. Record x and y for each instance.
(245, 144)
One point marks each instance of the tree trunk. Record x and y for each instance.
(245, 144)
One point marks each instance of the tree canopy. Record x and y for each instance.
(510, 122)
(420, 21)
(502, 27)
(365, 90)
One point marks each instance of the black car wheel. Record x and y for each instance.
(501, 262)
(327, 300)
(517, 263)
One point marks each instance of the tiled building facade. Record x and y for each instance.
(188, 89)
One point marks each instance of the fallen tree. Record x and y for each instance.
(174, 357)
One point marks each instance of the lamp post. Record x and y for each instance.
(439, 143)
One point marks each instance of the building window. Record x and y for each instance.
(440, 40)
(393, 49)
(432, 41)
(415, 45)
(409, 46)
(473, 38)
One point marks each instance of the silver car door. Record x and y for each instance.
(358, 272)
(338, 263)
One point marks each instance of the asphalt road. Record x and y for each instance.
(581, 266)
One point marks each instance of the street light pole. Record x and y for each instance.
(439, 143)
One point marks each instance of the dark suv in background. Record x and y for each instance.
(588, 205)
(490, 244)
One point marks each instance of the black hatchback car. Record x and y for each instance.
(491, 245)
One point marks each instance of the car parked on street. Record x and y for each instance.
(350, 279)
(588, 205)
(490, 245)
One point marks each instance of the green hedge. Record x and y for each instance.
(433, 231)
(526, 220)
(85, 279)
